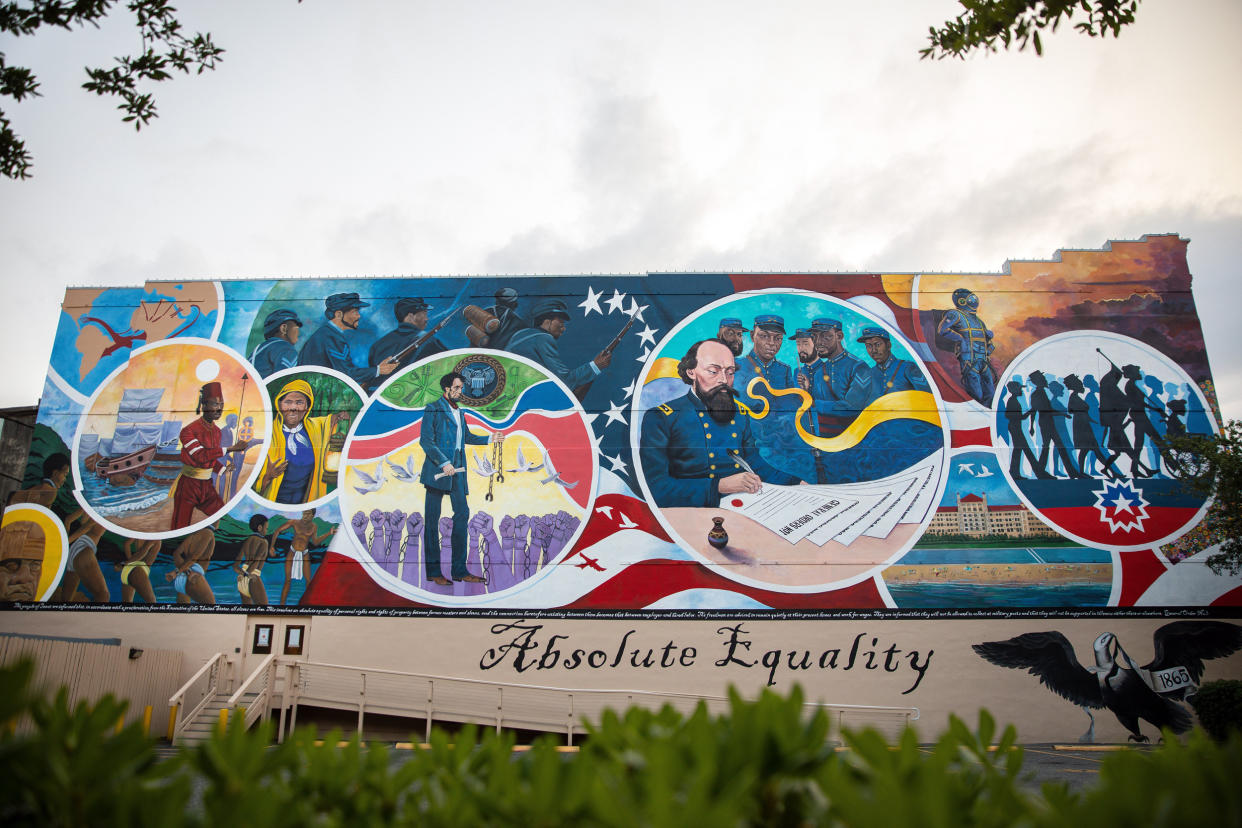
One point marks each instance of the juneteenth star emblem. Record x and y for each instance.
(1121, 506)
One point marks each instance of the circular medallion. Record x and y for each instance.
(1078, 432)
(483, 379)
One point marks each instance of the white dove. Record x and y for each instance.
(553, 475)
(984, 472)
(524, 465)
(406, 473)
(369, 483)
(482, 466)
(966, 468)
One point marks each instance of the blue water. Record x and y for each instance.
(1012, 555)
(115, 501)
(981, 596)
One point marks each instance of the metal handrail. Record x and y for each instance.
(351, 697)
(914, 711)
(175, 702)
(245, 685)
(259, 706)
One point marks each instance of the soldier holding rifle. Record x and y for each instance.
(551, 317)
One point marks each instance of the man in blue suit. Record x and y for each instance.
(444, 438)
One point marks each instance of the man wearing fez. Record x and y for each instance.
(539, 344)
(730, 333)
(890, 373)
(329, 348)
(841, 386)
(411, 316)
(698, 447)
(201, 454)
(505, 311)
(444, 438)
(281, 330)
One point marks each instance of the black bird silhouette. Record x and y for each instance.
(1115, 682)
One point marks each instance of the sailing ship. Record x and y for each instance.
(139, 429)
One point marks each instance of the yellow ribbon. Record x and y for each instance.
(900, 405)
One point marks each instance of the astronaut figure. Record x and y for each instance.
(972, 342)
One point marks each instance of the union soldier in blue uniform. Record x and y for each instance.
(890, 374)
(730, 333)
(411, 313)
(766, 337)
(842, 385)
(972, 343)
(275, 353)
(505, 311)
(329, 347)
(690, 446)
(804, 375)
(539, 343)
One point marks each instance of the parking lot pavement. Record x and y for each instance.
(1078, 766)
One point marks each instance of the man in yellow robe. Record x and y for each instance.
(293, 468)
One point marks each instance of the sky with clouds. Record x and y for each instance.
(370, 138)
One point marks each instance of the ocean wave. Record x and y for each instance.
(130, 505)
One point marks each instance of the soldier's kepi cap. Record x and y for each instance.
(802, 333)
(770, 322)
(550, 307)
(826, 324)
(410, 304)
(872, 333)
(271, 325)
(342, 302)
(732, 322)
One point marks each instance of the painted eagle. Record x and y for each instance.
(1115, 682)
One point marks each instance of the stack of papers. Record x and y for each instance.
(844, 512)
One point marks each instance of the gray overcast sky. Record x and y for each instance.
(369, 138)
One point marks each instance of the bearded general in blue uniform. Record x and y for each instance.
(690, 447)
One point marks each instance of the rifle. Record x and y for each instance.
(422, 340)
(1110, 362)
(581, 391)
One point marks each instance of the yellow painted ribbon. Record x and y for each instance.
(899, 405)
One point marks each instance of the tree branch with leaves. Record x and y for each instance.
(165, 49)
(987, 24)
(1212, 465)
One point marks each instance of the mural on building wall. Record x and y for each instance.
(1153, 692)
(659, 441)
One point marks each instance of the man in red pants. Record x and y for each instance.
(200, 454)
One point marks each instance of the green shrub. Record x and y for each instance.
(1219, 707)
(765, 762)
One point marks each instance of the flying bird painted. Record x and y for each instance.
(524, 465)
(370, 483)
(1115, 682)
(966, 468)
(553, 475)
(482, 466)
(406, 473)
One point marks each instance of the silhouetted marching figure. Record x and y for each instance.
(1083, 433)
(1046, 416)
(1014, 415)
(1113, 410)
(1137, 407)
